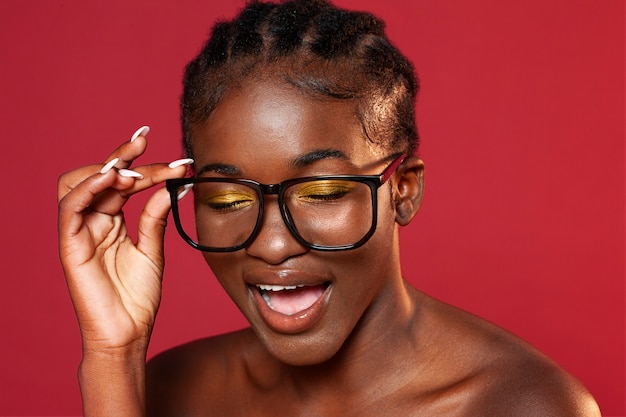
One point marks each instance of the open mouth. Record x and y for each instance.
(291, 299)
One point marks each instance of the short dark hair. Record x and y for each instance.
(318, 48)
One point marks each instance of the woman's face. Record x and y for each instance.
(269, 132)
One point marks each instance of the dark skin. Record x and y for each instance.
(492, 374)
(376, 346)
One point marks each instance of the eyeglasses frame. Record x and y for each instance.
(373, 181)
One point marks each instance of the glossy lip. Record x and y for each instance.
(289, 324)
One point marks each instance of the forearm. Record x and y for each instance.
(113, 384)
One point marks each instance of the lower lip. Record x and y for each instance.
(291, 324)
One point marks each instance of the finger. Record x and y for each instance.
(151, 227)
(123, 156)
(73, 205)
(154, 174)
(68, 181)
(130, 150)
(148, 176)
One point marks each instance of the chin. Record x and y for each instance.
(300, 349)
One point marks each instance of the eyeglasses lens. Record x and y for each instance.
(330, 212)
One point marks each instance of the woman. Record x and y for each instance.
(298, 123)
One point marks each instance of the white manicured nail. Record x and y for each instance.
(129, 173)
(186, 189)
(107, 167)
(179, 162)
(142, 131)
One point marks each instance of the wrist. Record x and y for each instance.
(113, 358)
(116, 350)
(113, 383)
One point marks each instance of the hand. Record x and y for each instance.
(114, 283)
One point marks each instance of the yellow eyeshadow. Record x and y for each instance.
(325, 188)
(229, 197)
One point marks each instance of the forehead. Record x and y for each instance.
(273, 122)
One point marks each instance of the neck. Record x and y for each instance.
(383, 336)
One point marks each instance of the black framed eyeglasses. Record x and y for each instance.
(326, 212)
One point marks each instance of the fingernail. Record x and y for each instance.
(179, 162)
(107, 167)
(129, 173)
(186, 189)
(142, 131)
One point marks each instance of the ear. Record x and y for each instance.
(409, 189)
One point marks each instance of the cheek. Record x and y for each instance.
(380, 254)
(225, 268)
(384, 237)
(373, 264)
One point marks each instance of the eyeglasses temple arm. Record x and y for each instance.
(388, 172)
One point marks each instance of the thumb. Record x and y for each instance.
(151, 227)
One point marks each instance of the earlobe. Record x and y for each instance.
(409, 189)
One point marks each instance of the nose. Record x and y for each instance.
(274, 242)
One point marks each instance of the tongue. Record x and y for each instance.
(293, 301)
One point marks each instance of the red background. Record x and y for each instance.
(522, 120)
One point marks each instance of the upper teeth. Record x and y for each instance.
(265, 287)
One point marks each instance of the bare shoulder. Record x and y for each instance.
(535, 387)
(187, 378)
(505, 376)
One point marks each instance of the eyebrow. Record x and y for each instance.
(301, 161)
(309, 158)
(224, 169)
